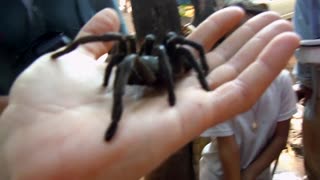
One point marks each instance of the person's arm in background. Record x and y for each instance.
(270, 153)
(229, 155)
(279, 138)
(3, 103)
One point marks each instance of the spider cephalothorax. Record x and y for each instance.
(153, 65)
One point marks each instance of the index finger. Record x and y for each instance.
(240, 94)
(104, 21)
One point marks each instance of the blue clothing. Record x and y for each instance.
(307, 24)
(28, 30)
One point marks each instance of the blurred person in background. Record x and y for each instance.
(245, 146)
(307, 25)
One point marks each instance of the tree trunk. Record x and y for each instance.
(160, 17)
(203, 9)
(178, 167)
(155, 16)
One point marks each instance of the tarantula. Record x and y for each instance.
(155, 65)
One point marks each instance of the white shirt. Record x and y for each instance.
(278, 103)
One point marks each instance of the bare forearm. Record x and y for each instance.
(230, 157)
(272, 150)
(267, 156)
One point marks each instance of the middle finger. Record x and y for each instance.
(237, 39)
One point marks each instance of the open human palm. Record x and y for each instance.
(58, 113)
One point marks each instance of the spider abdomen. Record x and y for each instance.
(143, 71)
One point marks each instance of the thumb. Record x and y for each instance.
(104, 21)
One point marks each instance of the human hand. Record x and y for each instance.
(58, 113)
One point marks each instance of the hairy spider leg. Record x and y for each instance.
(116, 59)
(121, 79)
(132, 47)
(176, 63)
(166, 72)
(125, 47)
(148, 45)
(175, 39)
(87, 39)
(182, 51)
